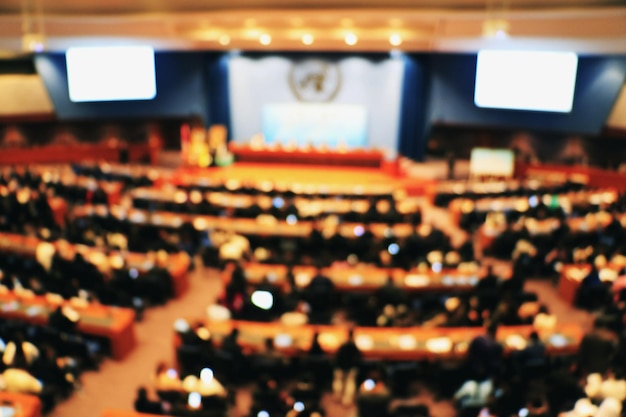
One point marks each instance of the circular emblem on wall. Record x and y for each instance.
(315, 80)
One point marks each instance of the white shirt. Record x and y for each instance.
(613, 388)
(20, 381)
(30, 351)
(472, 393)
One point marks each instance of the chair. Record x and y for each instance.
(189, 360)
(373, 405)
(171, 396)
(417, 410)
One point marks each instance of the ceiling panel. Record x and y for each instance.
(150, 6)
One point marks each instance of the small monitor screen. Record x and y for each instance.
(283, 340)
(194, 400)
(262, 299)
(526, 80)
(111, 73)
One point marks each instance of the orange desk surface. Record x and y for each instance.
(241, 226)
(500, 204)
(113, 323)
(363, 277)
(178, 264)
(25, 405)
(539, 227)
(355, 157)
(302, 182)
(385, 343)
(126, 413)
(305, 204)
(73, 153)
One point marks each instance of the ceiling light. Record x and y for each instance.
(265, 39)
(395, 39)
(307, 39)
(224, 40)
(351, 39)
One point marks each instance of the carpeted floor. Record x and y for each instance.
(115, 384)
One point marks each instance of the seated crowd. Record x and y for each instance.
(47, 361)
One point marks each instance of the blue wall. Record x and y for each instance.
(181, 90)
(598, 83)
(438, 89)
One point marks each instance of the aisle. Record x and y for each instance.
(115, 384)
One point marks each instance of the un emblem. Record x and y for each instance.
(314, 80)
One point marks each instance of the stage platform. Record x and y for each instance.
(310, 175)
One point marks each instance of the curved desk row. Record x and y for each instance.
(49, 154)
(363, 277)
(185, 179)
(306, 205)
(113, 323)
(410, 343)
(594, 221)
(178, 264)
(260, 226)
(521, 204)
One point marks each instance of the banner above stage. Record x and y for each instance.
(326, 124)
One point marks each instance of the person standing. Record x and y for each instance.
(347, 361)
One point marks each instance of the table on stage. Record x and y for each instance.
(112, 323)
(363, 277)
(371, 158)
(178, 264)
(388, 343)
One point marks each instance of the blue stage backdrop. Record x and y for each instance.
(353, 87)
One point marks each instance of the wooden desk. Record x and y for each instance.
(199, 180)
(25, 405)
(301, 228)
(356, 157)
(178, 264)
(307, 205)
(126, 413)
(593, 177)
(113, 323)
(520, 204)
(571, 277)
(588, 223)
(363, 277)
(412, 343)
(72, 153)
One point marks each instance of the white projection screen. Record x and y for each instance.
(526, 80)
(492, 162)
(112, 73)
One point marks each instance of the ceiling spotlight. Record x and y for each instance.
(351, 39)
(395, 39)
(224, 40)
(307, 39)
(265, 39)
